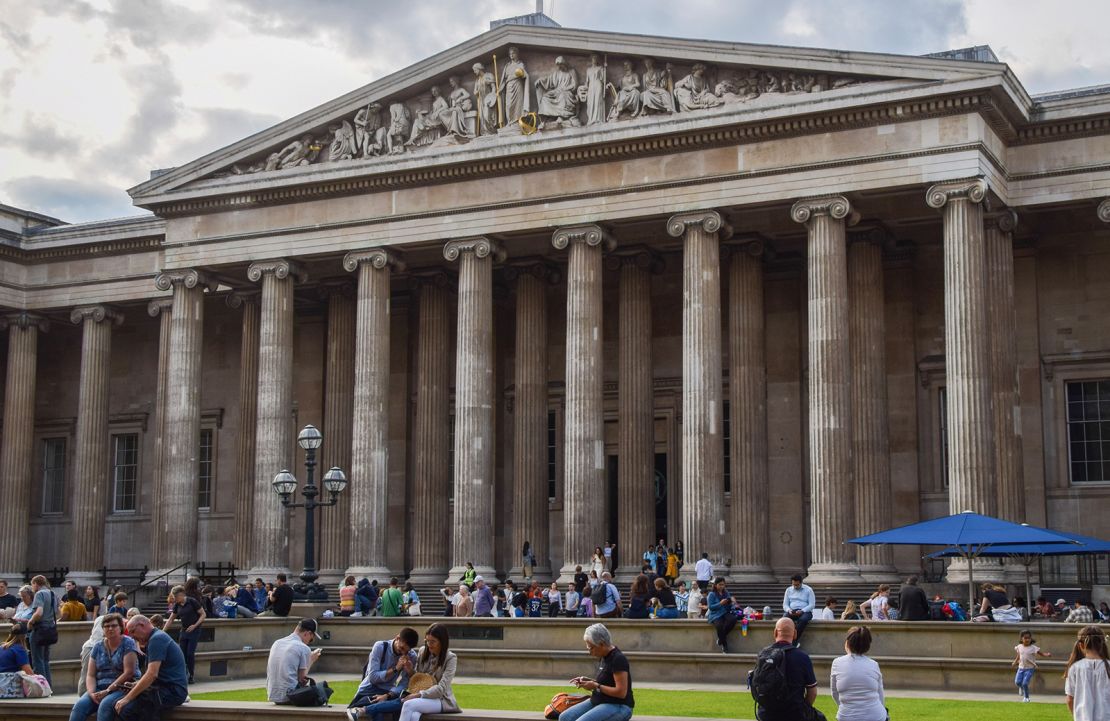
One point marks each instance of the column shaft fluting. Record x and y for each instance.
(635, 398)
(91, 487)
(339, 383)
(472, 537)
(248, 426)
(274, 436)
(1005, 391)
(161, 308)
(530, 421)
(17, 446)
(369, 535)
(747, 379)
(870, 441)
(431, 539)
(832, 488)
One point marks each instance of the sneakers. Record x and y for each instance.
(1025, 699)
(352, 714)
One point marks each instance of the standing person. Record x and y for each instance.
(163, 685)
(611, 698)
(798, 603)
(586, 605)
(598, 561)
(43, 623)
(574, 598)
(607, 599)
(672, 567)
(435, 659)
(1087, 685)
(1026, 663)
(527, 560)
(660, 566)
(388, 670)
(281, 598)
(682, 599)
(678, 551)
(913, 604)
(392, 599)
(594, 580)
(668, 603)
(608, 553)
(113, 662)
(856, 681)
(721, 613)
(581, 580)
(464, 605)
(703, 572)
(469, 575)
(483, 598)
(792, 700)
(190, 613)
(290, 660)
(554, 600)
(695, 603)
(878, 604)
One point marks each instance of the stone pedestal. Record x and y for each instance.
(369, 495)
(92, 489)
(274, 437)
(248, 424)
(870, 441)
(472, 529)
(17, 448)
(584, 504)
(703, 490)
(751, 543)
(832, 488)
(431, 477)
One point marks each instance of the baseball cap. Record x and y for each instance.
(1061, 600)
(478, 578)
(307, 624)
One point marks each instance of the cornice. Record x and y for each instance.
(128, 246)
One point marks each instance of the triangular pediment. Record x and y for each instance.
(514, 86)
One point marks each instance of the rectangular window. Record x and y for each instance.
(552, 454)
(125, 472)
(205, 467)
(942, 411)
(726, 424)
(53, 475)
(1089, 431)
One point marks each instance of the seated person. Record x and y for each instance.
(13, 660)
(386, 677)
(73, 608)
(289, 661)
(828, 613)
(164, 684)
(120, 605)
(113, 662)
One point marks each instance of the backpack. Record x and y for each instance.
(311, 694)
(767, 680)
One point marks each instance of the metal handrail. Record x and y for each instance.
(160, 576)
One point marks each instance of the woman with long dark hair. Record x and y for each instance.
(435, 659)
(1087, 677)
(639, 598)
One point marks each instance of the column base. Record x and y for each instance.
(176, 577)
(566, 574)
(329, 577)
(81, 578)
(880, 574)
(985, 569)
(427, 575)
(381, 573)
(626, 574)
(832, 573)
(540, 573)
(456, 573)
(268, 573)
(751, 574)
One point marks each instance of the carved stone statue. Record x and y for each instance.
(593, 92)
(297, 153)
(628, 99)
(557, 93)
(485, 92)
(400, 122)
(370, 135)
(342, 146)
(656, 96)
(514, 84)
(427, 127)
(693, 93)
(453, 117)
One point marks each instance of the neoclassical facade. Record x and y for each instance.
(573, 287)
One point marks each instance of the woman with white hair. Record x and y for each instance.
(611, 699)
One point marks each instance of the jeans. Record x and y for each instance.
(553, 610)
(375, 711)
(188, 643)
(414, 709)
(800, 623)
(149, 706)
(105, 711)
(40, 658)
(1022, 679)
(586, 711)
(667, 613)
(724, 624)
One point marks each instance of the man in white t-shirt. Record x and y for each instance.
(289, 661)
(703, 572)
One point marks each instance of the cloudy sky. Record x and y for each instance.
(96, 93)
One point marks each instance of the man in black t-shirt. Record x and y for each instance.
(801, 683)
(8, 602)
(580, 579)
(281, 598)
(190, 613)
(913, 605)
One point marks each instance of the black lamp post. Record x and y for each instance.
(285, 484)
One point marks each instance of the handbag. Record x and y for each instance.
(45, 635)
(414, 609)
(310, 694)
(560, 702)
(35, 686)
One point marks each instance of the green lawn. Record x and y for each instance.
(709, 704)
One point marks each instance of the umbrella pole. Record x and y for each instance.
(1028, 591)
(970, 589)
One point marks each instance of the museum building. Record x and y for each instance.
(571, 287)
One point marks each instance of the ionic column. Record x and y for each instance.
(248, 424)
(1104, 211)
(17, 449)
(274, 435)
(967, 370)
(161, 308)
(530, 416)
(832, 488)
(91, 487)
(636, 402)
(472, 529)
(1006, 396)
(747, 386)
(369, 535)
(870, 443)
(339, 384)
(584, 436)
(431, 478)
(703, 484)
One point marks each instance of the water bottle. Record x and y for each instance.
(744, 626)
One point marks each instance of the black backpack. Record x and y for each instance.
(767, 680)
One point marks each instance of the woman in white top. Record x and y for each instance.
(857, 682)
(1087, 684)
(597, 563)
(879, 604)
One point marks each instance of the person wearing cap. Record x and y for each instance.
(289, 661)
(1061, 609)
(483, 597)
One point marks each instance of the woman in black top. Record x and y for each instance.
(668, 606)
(611, 697)
(639, 598)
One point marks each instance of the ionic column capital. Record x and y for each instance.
(752, 244)
(1104, 211)
(536, 267)
(189, 277)
(1004, 220)
(342, 287)
(588, 233)
(639, 256)
(158, 306)
(379, 258)
(974, 190)
(24, 319)
(98, 313)
(870, 234)
(836, 207)
(280, 268)
(710, 221)
(434, 277)
(242, 298)
(480, 246)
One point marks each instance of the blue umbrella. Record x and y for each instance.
(969, 534)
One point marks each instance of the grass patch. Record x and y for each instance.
(708, 704)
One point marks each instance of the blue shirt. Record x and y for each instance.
(609, 597)
(245, 598)
(13, 659)
(483, 601)
(380, 676)
(798, 599)
(715, 609)
(172, 679)
(259, 599)
(110, 665)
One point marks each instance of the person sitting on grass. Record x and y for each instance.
(387, 674)
(611, 690)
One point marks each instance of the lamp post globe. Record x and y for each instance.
(310, 438)
(335, 480)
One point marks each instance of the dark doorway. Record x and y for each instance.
(661, 497)
(612, 508)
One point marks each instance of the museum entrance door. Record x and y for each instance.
(660, 484)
